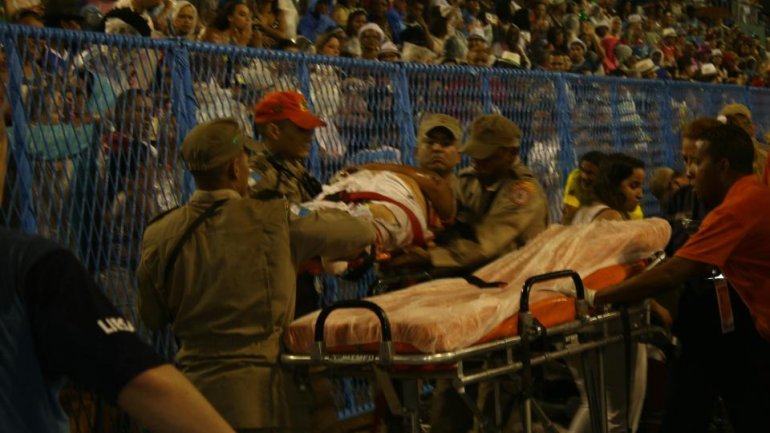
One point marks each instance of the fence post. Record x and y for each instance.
(486, 91)
(18, 145)
(303, 78)
(564, 127)
(404, 115)
(667, 118)
(617, 141)
(184, 104)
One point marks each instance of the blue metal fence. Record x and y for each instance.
(97, 121)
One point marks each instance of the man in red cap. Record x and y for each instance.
(286, 126)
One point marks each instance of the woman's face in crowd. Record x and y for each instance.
(241, 17)
(358, 22)
(632, 189)
(331, 48)
(184, 21)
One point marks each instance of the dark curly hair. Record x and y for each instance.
(613, 170)
(220, 21)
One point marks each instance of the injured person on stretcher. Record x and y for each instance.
(405, 204)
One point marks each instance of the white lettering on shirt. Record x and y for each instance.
(111, 325)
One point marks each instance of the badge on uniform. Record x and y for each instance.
(254, 178)
(521, 192)
(725, 307)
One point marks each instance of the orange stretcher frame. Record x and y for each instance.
(550, 312)
(556, 319)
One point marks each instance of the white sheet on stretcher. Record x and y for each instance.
(449, 314)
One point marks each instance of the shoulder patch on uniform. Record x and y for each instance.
(254, 177)
(521, 192)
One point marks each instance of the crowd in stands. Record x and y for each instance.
(669, 39)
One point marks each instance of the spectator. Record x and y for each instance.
(183, 21)
(63, 14)
(616, 192)
(666, 181)
(396, 19)
(645, 68)
(372, 38)
(512, 42)
(143, 8)
(477, 40)
(326, 94)
(356, 20)
(415, 29)
(389, 53)
(378, 14)
(580, 63)
(316, 21)
(580, 183)
(232, 25)
(270, 20)
(342, 11)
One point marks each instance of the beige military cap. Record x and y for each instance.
(490, 132)
(431, 121)
(214, 143)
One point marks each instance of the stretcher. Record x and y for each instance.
(520, 324)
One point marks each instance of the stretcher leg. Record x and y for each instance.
(592, 363)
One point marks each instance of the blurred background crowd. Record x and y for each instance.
(699, 40)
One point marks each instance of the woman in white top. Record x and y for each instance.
(617, 191)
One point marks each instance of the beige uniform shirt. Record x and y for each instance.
(286, 176)
(494, 220)
(230, 295)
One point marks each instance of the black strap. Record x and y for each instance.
(481, 284)
(307, 183)
(186, 236)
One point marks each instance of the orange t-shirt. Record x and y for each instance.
(735, 237)
(766, 174)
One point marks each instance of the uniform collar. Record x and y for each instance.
(210, 196)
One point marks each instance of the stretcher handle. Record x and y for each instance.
(531, 281)
(354, 303)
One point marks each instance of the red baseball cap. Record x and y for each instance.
(286, 105)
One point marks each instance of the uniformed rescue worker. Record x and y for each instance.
(221, 270)
(286, 125)
(438, 149)
(501, 205)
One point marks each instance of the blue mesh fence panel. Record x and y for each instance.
(96, 123)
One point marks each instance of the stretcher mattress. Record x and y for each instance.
(450, 314)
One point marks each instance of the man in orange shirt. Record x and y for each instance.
(734, 238)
